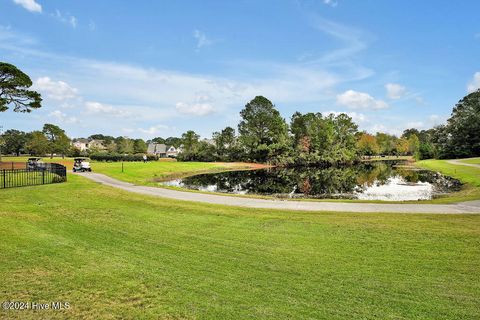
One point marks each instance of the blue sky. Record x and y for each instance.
(159, 68)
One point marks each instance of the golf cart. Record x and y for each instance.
(35, 163)
(81, 165)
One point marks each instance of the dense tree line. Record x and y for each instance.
(50, 140)
(458, 138)
(315, 139)
(264, 136)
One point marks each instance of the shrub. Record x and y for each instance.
(115, 157)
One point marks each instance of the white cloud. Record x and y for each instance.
(62, 117)
(30, 5)
(475, 83)
(138, 96)
(356, 117)
(354, 40)
(435, 120)
(201, 107)
(56, 90)
(94, 107)
(360, 100)
(66, 18)
(202, 40)
(73, 21)
(154, 129)
(395, 91)
(373, 129)
(415, 124)
(331, 3)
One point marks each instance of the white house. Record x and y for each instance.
(161, 150)
(85, 144)
(81, 144)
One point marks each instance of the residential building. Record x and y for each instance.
(81, 144)
(161, 150)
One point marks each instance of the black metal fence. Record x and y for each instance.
(44, 173)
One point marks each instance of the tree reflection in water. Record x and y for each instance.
(311, 182)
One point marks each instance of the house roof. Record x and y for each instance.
(156, 148)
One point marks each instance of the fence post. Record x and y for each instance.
(43, 176)
(4, 178)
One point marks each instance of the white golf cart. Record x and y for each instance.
(35, 163)
(81, 165)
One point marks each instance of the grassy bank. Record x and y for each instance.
(114, 254)
(470, 176)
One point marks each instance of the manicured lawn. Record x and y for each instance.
(9, 179)
(114, 254)
(468, 175)
(472, 160)
(151, 173)
(65, 161)
(146, 173)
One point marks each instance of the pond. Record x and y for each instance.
(380, 180)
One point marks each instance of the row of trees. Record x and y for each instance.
(50, 140)
(311, 138)
(263, 135)
(389, 145)
(53, 140)
(458, 138)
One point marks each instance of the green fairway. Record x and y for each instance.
(147, 173)
(467, 174)
(114, 254)
(152, 172)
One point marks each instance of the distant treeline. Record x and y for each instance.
(264, 136)
(314, 139)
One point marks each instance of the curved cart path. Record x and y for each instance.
(464, 207)
(458, 162)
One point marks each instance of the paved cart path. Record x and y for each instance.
(464, 207)
(458, 162)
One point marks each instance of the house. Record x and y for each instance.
(161, 150)
(172, 152)
(81, 144)
(96, 144)
(88, 145)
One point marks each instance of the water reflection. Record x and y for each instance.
(385, 180)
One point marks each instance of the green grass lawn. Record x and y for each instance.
(9, 179)
(472, 160)
(151, 173)
(114, 254)
(468, 175)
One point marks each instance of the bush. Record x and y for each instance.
(115, 157)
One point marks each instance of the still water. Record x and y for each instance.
(381, 180)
